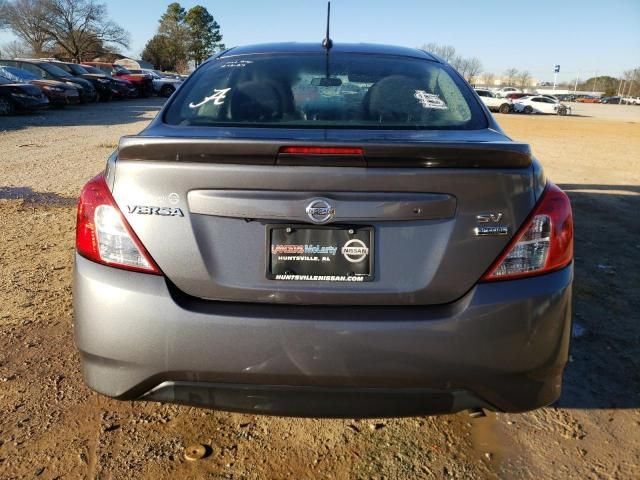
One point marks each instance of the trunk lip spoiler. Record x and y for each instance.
(425, 154)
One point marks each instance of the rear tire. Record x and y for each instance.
(528, 110)
(562, 111)
(167, 91)
(6, 107)
(504, 108)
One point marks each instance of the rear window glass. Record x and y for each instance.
(315, 90)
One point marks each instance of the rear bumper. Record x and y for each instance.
(502, 346)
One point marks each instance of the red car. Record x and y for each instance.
(588, 99)
(143, 83)
(516, 95)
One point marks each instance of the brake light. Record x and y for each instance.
(298, 150)
(103, 234)
(543, 244)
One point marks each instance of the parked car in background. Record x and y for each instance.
(539, 104)
(516, 95)
(60, 94)
(587, 99)
(631, 100)
(48, 71)
(492, 102)
(100, 82)
(16, 97)
(142, 82)
(611, 100)
(502, 92)
(552, 97)
(121, 88)
(163, 86)
(566, 97)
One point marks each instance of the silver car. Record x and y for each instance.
(329, 232)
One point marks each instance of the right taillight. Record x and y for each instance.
(543, 244)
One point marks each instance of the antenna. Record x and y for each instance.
(327, 42)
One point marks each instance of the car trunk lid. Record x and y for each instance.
(217, 203)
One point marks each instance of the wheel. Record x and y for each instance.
(528, 109)
(562, 111)
(167, 90)
(6, 107)
(504, 108)
(106, 97)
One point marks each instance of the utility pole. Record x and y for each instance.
(621, 87)
(575, 87)
(633, 77)
(595, 82)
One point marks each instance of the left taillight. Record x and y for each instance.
(103, 234)
(543, 244)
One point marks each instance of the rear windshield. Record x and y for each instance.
(121, 70)
(340, 90)
(77, 69)
(53, 70)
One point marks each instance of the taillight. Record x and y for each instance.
(543, 244)
(104, 236)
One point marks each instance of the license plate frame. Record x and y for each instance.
(337, 269)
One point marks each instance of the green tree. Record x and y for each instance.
(204, 34)
(601, 83)
(155, 52)
(176, 34)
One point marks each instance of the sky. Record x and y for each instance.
(534, 36)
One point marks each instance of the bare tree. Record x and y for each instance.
(524, 79)
(488, 79)
(16, 49)
(77, 25)
(3, 14)
(446, 52)
(26, 19)
(510, 74)
(473, 69)
(458, 63)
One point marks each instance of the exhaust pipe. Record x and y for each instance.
(477, 413)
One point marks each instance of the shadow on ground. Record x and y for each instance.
(116, 112)
(31, 198)
(604, 371)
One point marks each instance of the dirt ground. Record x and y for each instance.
(52, 426)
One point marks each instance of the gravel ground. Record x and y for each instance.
(52, 426)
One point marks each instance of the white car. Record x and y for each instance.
(506, 90)
(540, 104)
(162, 85)
(492, 102)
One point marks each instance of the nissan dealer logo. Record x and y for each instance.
(320, 211)
(355, 250)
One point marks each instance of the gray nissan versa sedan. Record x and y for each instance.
(324, 231)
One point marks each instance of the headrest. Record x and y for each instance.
(393, 98)
(255, 101)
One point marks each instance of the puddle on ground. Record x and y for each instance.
(494, 447)
(31, 198)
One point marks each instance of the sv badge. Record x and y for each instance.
(489, 217)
